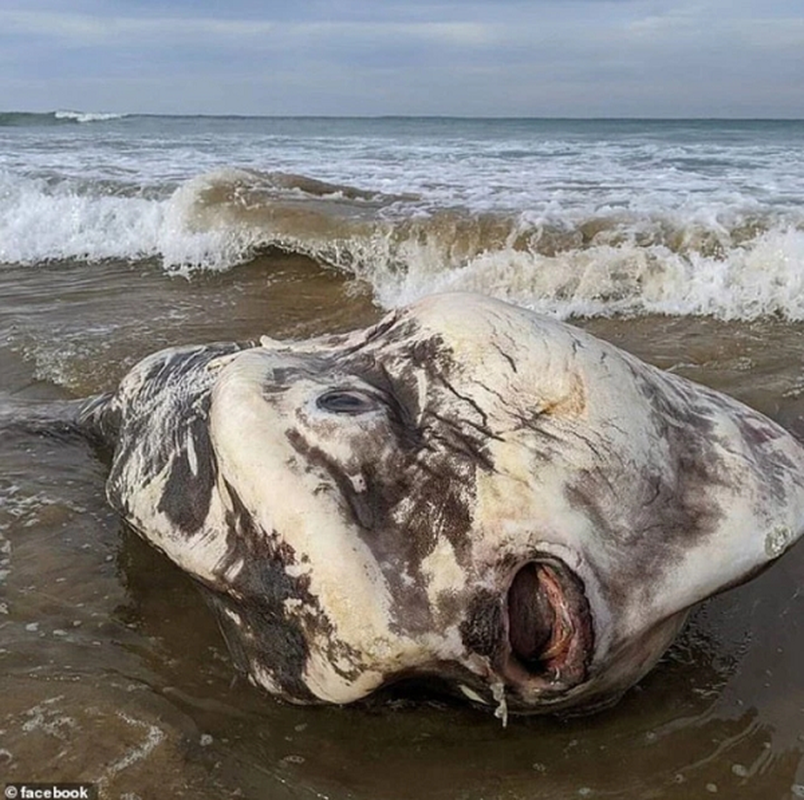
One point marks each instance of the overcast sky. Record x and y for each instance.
(576, 58)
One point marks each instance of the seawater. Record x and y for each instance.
(570, 217)
(679, 241)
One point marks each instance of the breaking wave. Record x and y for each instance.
(85, 116)
(24, 118)
(730, 262)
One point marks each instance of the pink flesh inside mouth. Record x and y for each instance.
(549, 627)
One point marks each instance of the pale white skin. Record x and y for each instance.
(396, 526)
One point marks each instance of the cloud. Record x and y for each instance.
(84, 30)
(511, 57)
(106, 31)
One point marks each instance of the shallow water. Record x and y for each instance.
(112, 667)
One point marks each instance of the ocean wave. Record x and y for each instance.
(86, 116)
(730, 262)
(10, 119)
(44, 220)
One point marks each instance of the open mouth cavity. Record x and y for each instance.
(549, 627)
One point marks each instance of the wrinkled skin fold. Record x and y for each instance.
(467, 491)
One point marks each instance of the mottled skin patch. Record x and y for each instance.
(160, 411)
(357, 507)
(257, 594)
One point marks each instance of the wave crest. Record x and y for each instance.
(86, 116)
(12, 119)
(735, 263)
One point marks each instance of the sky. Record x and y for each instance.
(532, 58)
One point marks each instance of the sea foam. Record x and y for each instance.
(732, 262)
(86, 116)
(42, 223)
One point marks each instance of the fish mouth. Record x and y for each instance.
(549, 635)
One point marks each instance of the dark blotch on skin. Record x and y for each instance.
(155, 441)
(770, 460)
(185, 500)
(482, 629)
(262, 587)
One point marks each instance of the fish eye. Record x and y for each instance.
(347, 401)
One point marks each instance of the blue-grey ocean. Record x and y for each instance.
(681, 241)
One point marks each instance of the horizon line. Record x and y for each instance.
(500, 117)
